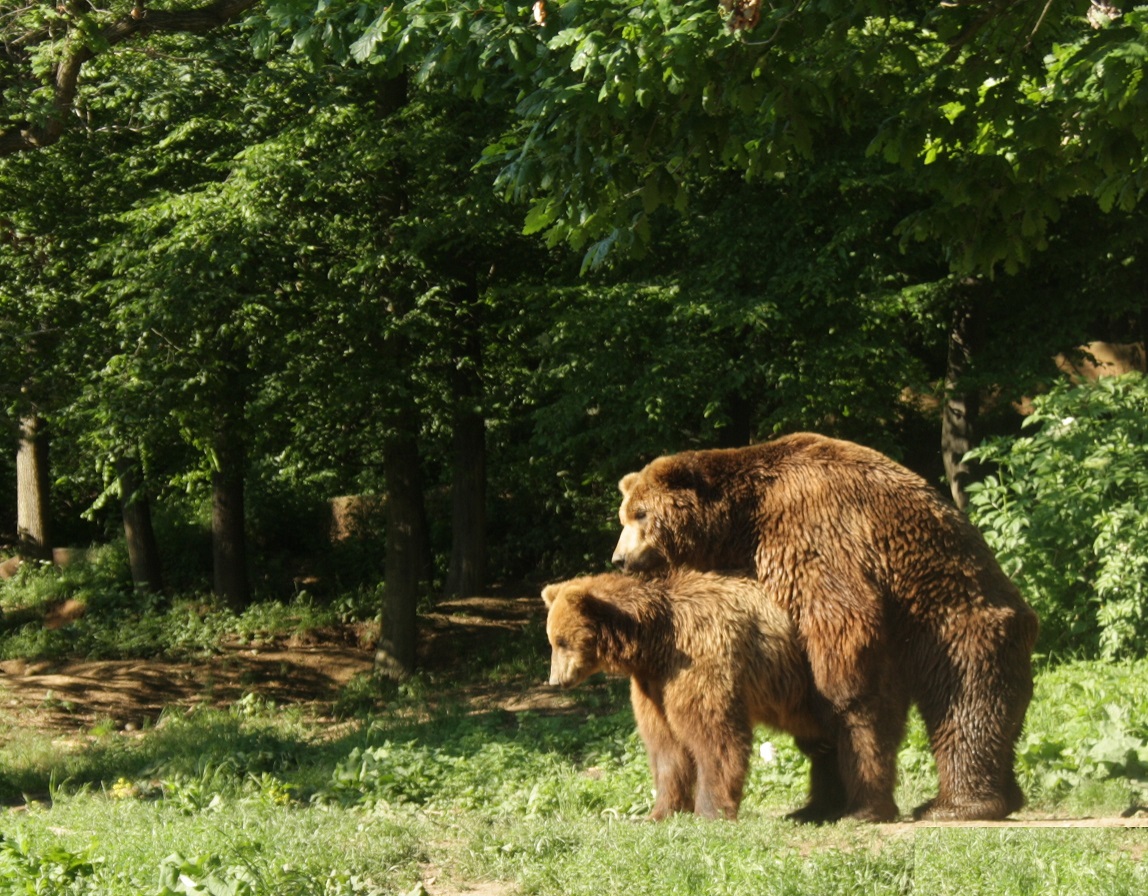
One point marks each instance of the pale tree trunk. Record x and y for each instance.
(467, 573)
(143, 553)
(32, 489)
(962, 403)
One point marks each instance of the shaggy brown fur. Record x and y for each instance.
(896, 598)
(708, 657)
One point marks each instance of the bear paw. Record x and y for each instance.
(967, 809)
(816, 814)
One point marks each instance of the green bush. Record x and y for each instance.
(1065, 511)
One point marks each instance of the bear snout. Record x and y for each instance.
(561, 673)
(628, 542)
(643, 560)
(635, 553)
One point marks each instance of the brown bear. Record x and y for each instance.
(708, 657)
(895, 595)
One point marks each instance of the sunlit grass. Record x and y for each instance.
(420, 784)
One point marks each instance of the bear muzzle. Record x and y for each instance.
(644, 559)
(557, 678)
(565, 671)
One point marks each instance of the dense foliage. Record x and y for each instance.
(504, 252)
(1064, 509)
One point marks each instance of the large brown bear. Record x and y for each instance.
(896, 598)
(708, 658)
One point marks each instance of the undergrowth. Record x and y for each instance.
(116, 622)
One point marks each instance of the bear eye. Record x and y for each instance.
(640, 515)
(561, 643)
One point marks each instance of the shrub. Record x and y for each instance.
(1065, 511)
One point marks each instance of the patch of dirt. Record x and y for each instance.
(76, 695)
(310, 671)
(1025, 820)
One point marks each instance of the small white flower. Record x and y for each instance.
(768, 753)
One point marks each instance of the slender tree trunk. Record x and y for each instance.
(143, 553)
(406, 516)
(33, 489)
(962, 403)
(405, 549)
(467, 573)
(228, 517)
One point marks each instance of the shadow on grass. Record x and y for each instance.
(429, 740)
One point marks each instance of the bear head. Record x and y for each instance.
(581, 624)
(664, 514)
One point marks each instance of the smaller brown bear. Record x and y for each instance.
(708, 659)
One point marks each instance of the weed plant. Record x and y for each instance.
(1063, 507)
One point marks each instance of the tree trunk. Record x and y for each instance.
(228, 519)
(406, 516)
(143, 553)
(405, 541)
(467, 573)
(33, 489)
(962, 404)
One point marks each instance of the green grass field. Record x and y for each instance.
(424, 791)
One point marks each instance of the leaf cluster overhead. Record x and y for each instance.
(1003, 109)
(44, 48)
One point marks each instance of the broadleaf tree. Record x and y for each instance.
(45, 49)
(623, 109)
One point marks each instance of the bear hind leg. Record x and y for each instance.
(828, 799)
(868, 761)
(973, 787)
(976, 762)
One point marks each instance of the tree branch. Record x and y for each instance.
(138, 22)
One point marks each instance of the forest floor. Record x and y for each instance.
(67, 699)
(308, 671)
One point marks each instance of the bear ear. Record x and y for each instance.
(549, 595)
(686, 477)
(627, 483)
(600, 609)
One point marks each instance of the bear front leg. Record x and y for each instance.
(671, 764)
(721, 748)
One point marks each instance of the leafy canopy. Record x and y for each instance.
(621, 106)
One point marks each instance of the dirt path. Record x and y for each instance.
(311, 671)
(131, 693)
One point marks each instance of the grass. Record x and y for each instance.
(423, 792)
(257, 799)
